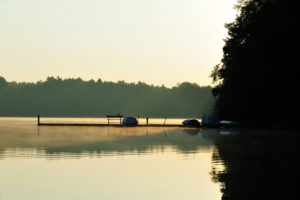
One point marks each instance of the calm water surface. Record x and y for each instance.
(106, 162)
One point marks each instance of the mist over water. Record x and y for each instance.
(104, 162)
(57, 162)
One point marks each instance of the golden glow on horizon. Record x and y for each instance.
(158, 41)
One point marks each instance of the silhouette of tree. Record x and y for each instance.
(3, 82)
(257, 78)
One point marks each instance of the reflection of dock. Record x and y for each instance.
(105, 125)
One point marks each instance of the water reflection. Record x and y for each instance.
(25, 138)
(257, 165)
(74, 163)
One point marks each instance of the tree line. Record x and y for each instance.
(75, 97)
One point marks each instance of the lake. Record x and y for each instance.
(112, 163)
(106, 162)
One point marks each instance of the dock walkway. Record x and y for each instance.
(104, 125)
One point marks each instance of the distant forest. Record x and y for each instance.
(58, 97)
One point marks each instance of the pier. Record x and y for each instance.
(108, 124)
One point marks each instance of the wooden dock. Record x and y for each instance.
(104, 125)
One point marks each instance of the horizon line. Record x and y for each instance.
(106, 81)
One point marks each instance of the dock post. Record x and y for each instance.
(147, 120)
(38, 118)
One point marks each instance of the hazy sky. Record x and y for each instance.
(155, 41)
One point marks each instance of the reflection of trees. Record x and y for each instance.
(182, 142)
(74, 140)
(258, 165)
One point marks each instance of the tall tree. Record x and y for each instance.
(257, 79)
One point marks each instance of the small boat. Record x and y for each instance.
(210, 121)
(191, 123)
(229, 124)
(129, 121)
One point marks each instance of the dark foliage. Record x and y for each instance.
(258, 77)
(78, 98)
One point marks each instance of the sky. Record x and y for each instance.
(160, 42)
